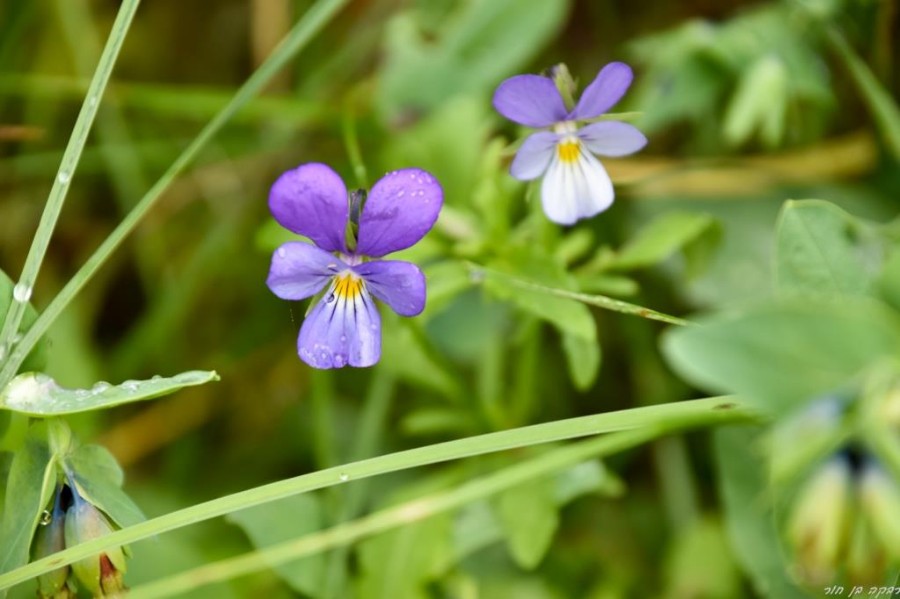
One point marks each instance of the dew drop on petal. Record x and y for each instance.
(339, 361)
(21, 293)
(330, 298)
(281, 252)
(46, 518)
(373, 326)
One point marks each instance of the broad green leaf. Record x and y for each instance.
(407, 355)
(478, 45)
(280, 521)
(780, 355)
(398, 563)
(759, 103)
(583, 357)
(478, 525)
(821, 252)
(37, 394)
(28, 490)
(37, 359)
(529, 516)
(700, 563)
(748, 513)
(661, 238)
(99, 480)
(446, 280)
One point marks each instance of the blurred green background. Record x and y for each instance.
(746, 104)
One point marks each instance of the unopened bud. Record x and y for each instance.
(817, 527)
(879, 496)
(50, 538)
(100, 574)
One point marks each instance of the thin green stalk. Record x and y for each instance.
(880, 102)
(322, 396)
(370, 431)
(311, 23)
(601, 301)
(395, 517)
(58, 192)
(668, 417)
(351, 143)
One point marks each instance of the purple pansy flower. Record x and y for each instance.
(344, 326)
(575, 183)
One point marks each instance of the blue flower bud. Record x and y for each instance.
(50, 538)
(100, 574)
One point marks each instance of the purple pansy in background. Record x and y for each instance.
(344, 326)
(575, 183)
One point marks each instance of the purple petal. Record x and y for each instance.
(311, 200)
(530, 100)
(604, 91)
(612, 138)
(534, 156)
(400, 285)
(342, 329)
(300, 270)
(400, 209)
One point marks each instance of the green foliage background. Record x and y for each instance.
(746, 104)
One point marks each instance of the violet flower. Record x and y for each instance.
(344, 326)
(575, 184)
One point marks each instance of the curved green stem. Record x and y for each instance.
(666, 417)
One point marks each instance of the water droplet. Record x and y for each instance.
(344, 477)
(17, 337)
(332, 266)
(155, 377)
(92, 101)
(21, 293)
(82, 392)
(330, 298)
(476, 276)
(401, 193)
(131, 385)
(373, 326)
(339, 361)
(63, 177)
(281, 252)
(100, 387)
(46, 518)
(343, 338)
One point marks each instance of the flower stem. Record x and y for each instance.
(662, 418)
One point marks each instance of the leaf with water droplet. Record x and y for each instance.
(37, 394)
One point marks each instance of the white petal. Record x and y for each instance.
(576, 189)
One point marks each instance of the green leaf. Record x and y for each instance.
(408, 357)
(821, 252)
(583, 357)
(399, 562)
(37, 359)
(478, 45)
(780, 355)
(32, 478)
(759, 103)
(661, 238)
(529, 516)
(99, 480)
(37, 394)
(748, 515)
(700, 563)
(280, 521)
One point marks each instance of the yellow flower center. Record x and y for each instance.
(568, 151)
(348, 286)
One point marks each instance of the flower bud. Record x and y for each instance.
(100, 574)
(50, 538)
(818, 523)
(866, 561)
(879, 496)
